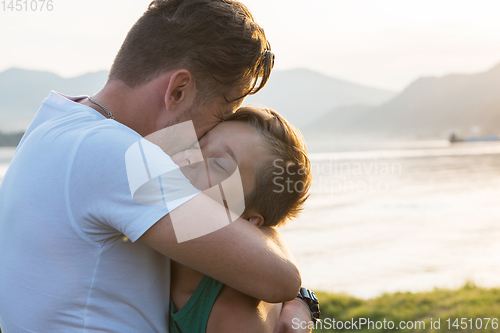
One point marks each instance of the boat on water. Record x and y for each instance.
(489, 138)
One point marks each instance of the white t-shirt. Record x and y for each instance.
(65, 209)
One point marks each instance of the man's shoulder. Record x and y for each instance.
(61, 121)
(79, 130)
(104, 133)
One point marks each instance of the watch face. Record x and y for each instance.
(309, 294)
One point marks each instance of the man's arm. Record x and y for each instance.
(254, 261)
(294, 318)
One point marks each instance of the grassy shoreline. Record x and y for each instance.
(470, 302)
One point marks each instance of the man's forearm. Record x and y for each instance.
(253, 261)
(295, 318)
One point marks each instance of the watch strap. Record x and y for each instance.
(310, 300)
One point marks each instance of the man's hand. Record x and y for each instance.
(294, 318)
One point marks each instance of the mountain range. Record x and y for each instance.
(23, 91)
(429, 108)
(319, 105)
(301, 95)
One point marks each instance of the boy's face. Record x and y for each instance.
(227, 145)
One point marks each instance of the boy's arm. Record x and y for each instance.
(254, 261)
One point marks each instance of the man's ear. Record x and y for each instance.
(181, 91)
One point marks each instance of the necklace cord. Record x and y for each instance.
(110, 115)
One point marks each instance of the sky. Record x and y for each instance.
(385, 44)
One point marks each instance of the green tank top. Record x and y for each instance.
(193, 316)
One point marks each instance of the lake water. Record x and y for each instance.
(396, 217)
(401, 219)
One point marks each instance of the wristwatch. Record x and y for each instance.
(308, 297)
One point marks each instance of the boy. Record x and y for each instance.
(263, 144)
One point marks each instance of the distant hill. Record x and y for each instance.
(319, 105)
(300, 95)
(23, 91)
(10, 140)
(428, 108)
(303, 96)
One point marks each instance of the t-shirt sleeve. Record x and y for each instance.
(121, 184)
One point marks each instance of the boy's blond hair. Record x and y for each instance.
(283, 177)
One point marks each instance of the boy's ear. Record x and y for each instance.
(181, 92)
(256, 219)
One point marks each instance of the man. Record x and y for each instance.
(77, 253)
